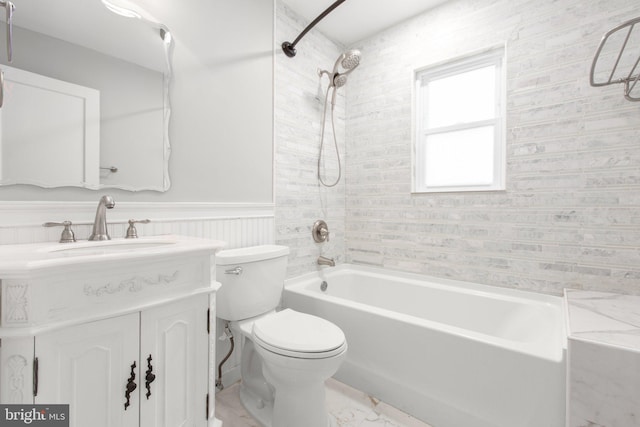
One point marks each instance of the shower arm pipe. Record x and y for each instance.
(290, 48)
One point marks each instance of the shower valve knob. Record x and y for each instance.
(320, 231)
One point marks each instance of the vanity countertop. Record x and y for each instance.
(18, 259)
(47, 285)
(603, 317)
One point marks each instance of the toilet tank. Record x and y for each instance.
(252, 280)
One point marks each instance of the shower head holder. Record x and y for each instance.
(349, 61)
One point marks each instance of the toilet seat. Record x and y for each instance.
(294, 334)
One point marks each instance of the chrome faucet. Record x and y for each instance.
(326, 261)
(100, 224)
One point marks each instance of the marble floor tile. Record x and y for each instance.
(349, 407)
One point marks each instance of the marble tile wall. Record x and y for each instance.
(603, 359)
(569, 216)
(300, 200)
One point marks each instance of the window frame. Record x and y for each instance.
(421, 77)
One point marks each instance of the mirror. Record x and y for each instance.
(86, 97)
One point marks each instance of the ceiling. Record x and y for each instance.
(355, 20)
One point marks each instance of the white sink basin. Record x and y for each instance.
(109, 247)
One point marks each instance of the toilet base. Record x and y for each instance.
(299, 385)
(259, 409)
(283, 391)
(263, 412)
(301, 407)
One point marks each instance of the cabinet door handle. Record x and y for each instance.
(131, 385)
(149, 377)
(35, 377)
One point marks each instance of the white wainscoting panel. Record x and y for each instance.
(237, 224)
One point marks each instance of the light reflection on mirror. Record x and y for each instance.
(86, 97)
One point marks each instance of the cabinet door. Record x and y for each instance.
(88, 367)
(175, 337)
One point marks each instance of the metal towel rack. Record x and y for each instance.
(625, 40)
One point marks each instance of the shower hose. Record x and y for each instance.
(335, 140)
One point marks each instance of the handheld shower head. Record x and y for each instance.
(349, 61)
(339, 80)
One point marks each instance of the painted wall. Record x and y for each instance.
(569, 215)
(222, 107)
(221, 132)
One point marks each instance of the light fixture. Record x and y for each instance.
(127, 13)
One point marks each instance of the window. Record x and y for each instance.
(459, 123)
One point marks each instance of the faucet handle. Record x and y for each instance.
(320, 231)
(67, 235)
(132, 233)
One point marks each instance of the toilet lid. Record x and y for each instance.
(295, 334)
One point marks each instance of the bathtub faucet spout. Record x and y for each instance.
(326, 261)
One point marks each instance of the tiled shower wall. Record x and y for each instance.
(570, 215)
(300, 200)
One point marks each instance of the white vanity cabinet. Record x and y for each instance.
(91, 365)
(177, 340)
(124, 343)
(87, 366)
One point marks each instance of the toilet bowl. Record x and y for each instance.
(286, 355)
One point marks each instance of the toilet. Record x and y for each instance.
(286, 355)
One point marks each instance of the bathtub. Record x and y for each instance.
(453, 354)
